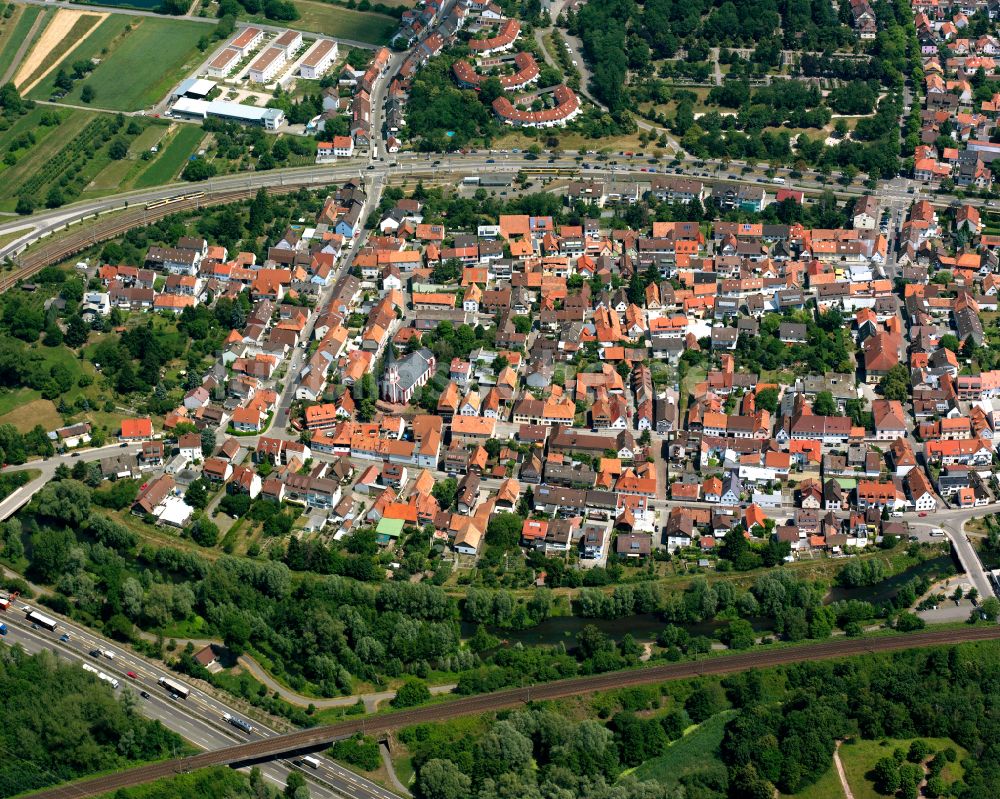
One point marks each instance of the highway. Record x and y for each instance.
(516, 697)
(198, 719)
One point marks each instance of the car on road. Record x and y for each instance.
(75, 455)
(132, 675)
(144, 694)
(174, 696)
(64, 637)
(95, 653)
(922, 514)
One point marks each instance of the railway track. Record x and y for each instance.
(56, 251)
(304, 740)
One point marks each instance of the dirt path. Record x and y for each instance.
(387, 762)
(840, 772)
(60, 26)
(371, 701)
(23, 48)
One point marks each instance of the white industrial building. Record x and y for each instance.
(318, 59)
(267, 65)
(268, 118)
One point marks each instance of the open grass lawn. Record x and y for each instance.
(97, 45)
(154, 56)
(39, 411)
(697, 751)
(826, 787)
(12, 399)
(363, 26)
(14, 31)
(172, 157)
(859, 758)
(81, 28)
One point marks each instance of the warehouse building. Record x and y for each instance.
(268, 118)
(318, 59)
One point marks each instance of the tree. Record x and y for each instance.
(767, 400)
(442, 779)
(205, 532)
(990, 608)
(87, 94)
(895, 384)
(738, 634)
(411, 693)
(445, 491)
(704, 701)
(886, 774)
(197, 495)
(824, 404)
(118, 150)
(504, 530)
(503, 749)
(207, 441)
(295, 786)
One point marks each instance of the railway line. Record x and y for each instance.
(306, 740)
(66, 246)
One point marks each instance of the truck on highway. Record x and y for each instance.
(108, 679)
(239, 723)
(175, 688)
(310, 761)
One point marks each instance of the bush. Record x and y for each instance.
(359, 751)
(412, 692)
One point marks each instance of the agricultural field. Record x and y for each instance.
(64, 35)
(16, 31)
(171, 158)
(173, 44)
(340, 22)
(26, 416)
(120, 45)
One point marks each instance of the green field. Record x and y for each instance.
(100, 40)
(861, 756)
(118, 175)
(344, 23)
(697, 751)
(826, 787)
(144, 65)
(170, 162)
(14, 31)
(50, 141)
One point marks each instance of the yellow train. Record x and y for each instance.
(193, 195)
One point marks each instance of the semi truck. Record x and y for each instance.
(175, 688)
